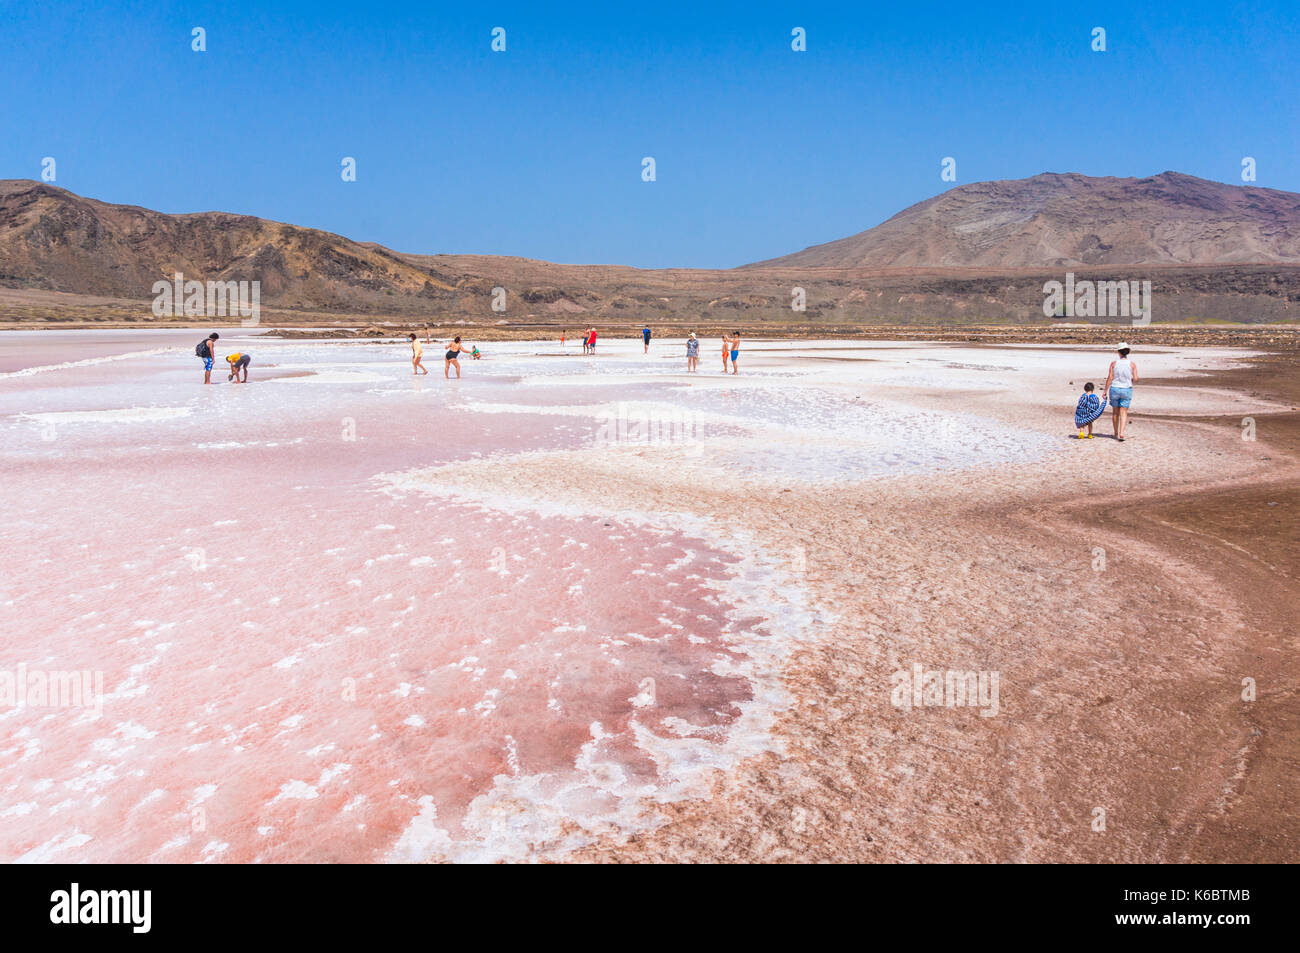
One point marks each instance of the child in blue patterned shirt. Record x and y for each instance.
(1089, 408)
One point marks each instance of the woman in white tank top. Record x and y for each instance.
(1121, 373)
(1119, 388)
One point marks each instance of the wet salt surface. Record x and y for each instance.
(380, 654)
(306, 655)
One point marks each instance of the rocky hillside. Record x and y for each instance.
(977, 253)
(1071, 220)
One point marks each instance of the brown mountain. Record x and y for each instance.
(54, 240)
(1071, 220)
(976, 254)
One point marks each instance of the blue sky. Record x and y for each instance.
(536, 151)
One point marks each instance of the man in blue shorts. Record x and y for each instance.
(208, 351)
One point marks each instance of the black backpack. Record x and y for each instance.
(201, 349)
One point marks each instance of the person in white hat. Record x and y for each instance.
(1119, 386)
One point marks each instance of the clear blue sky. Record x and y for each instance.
(537, 151)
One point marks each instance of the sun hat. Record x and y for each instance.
(1122, 345)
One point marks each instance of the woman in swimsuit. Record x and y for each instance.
(454, 350)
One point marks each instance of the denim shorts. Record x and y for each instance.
(1121, 396)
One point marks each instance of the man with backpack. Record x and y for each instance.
(207, 349)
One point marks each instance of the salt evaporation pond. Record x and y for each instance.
(305, 657)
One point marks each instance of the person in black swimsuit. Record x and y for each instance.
(454, 350)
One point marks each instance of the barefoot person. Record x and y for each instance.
(1119, 386)
(454, 350)
(417, 356)
(692, 353)
(735, 351)
(726, 351)
(238, 361)
(207, 349)
(645, 336)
